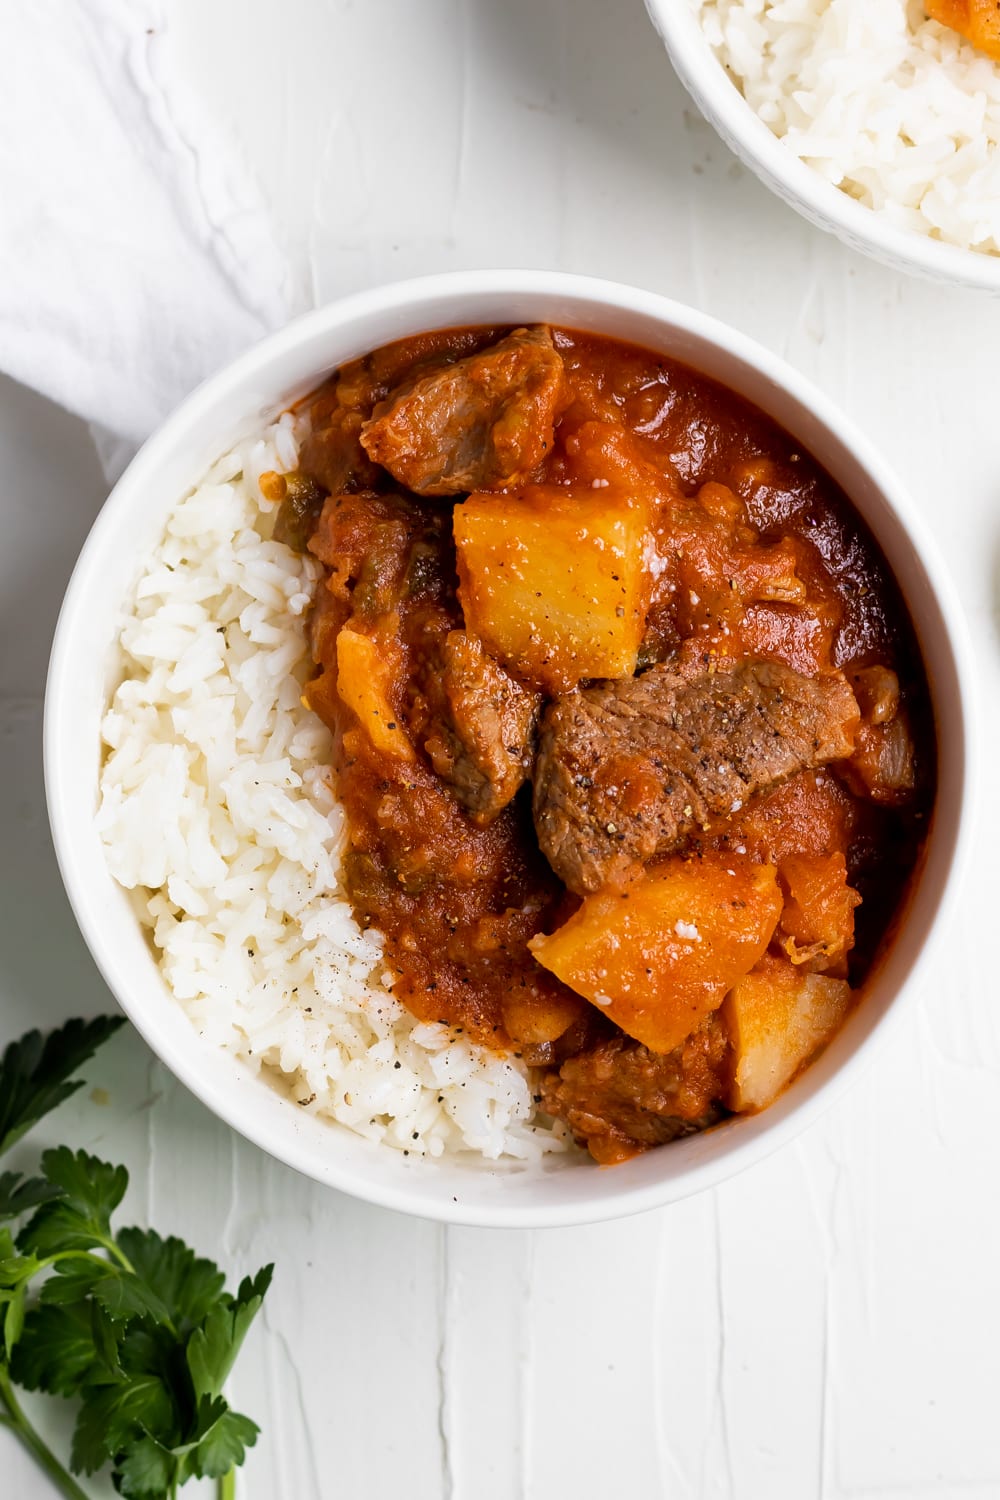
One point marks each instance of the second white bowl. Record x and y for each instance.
(824, 205)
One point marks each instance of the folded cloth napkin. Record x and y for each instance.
(135, 257)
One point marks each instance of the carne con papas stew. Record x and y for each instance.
(631, 730)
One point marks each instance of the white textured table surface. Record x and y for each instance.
(827, 1325)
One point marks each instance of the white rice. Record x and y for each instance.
(893, 108)
(216, 813)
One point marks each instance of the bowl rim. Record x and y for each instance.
(409, 297)
(720, 101)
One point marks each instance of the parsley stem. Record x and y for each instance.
(61, 1255)
(227, 1486)
(119, 1256)
(43, 1456)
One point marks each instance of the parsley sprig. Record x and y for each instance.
(137, 1329)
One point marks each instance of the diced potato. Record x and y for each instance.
(778, 1019)
(554, 580)
(658, 956)
(978, 20)
(817, 922)
(364, 674)
(537, 1014)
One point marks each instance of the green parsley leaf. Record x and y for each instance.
(19, 1193)
(223, 1445)
(113, 1417)
(120, 1293)
(123, 1296)
(212, 1348)
(56, 1227)
(81, 1218)
(149, 1349)
(92, 1186)
(14, 1268)
(187, 1286)
(35, 1072)
(73, 1282)
(146, 1471)
(105, 1342)
(56, 1350)
(139, 1329)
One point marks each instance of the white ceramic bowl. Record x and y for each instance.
(724, 107)
(236, 401)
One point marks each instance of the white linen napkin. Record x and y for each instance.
(135, 258)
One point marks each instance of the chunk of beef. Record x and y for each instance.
(378, 550)
(628, 770)
(620, 1098)
(481, 736)
(478, 423)
(332, 453)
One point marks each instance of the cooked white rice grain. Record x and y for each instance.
(216, 813)
(896, 110)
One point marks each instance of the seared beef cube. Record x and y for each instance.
(481, 738)
(478, 423)
(629, 770)
(377, 549)
(620, 1098)
(332, 454)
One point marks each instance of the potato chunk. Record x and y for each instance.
(778, 1019)
(542, 1013)
(365, 666)
(658, 956)
(554, 580)
(977, 20)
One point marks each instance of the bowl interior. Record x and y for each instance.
(563, 1190)
(803, 189)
